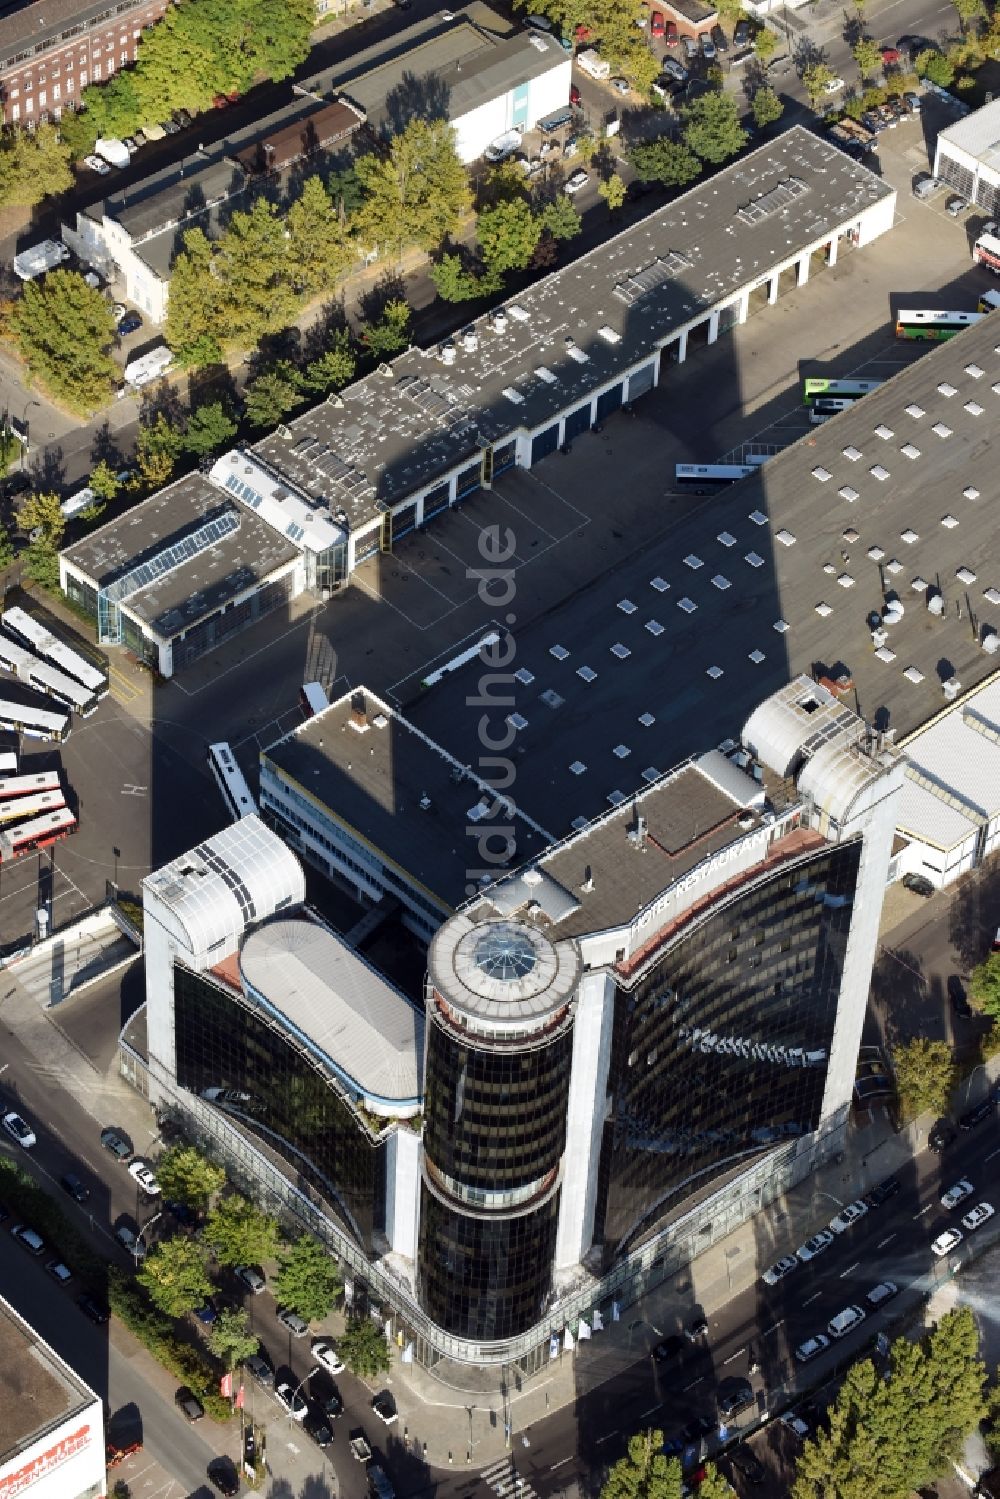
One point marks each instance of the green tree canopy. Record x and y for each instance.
(335, 367)
(319, 249)
(390, 333)
(925, 1075)
(175, 1276)
(272, 395)
(308, 1280)
(561, 219)
(6, 548)
(868, 56)
(815, 78)
(415, 192)
(712, 129)
(612, 190)
(64, 331)
(767, 107)
(209, 428)
(984, 985)
(42, 511)
(665, 161)
(231, 1339)
(765, 44)
(364, 1348)
(194, 326)
(714, 1485)
(254, 268)
(185, 1175)
(157, 449)
(103, 480)
(239, 1233)
(34, 164)
(935, 67)
(508, 234)
(456, 284)
(645, 1473)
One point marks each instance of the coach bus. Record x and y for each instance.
(928, 323)
(46, 679)
(19, 808)
(822, 410)
(24, 625)
(34, 785)
(713, 473)
(814, 388)
(39, 833)
(34, 723)
(230, 781)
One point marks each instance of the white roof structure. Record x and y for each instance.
(952, 785)
(309, 527)
(503, 977)
(208, 897)
(341, 1010)
(977, 133)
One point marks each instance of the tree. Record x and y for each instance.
(714, 1485)
(815, 78)
(42, 512)
(416, 192)
(41, 563)
(508, 235)
(319, 250)
(984, 985)
(665, 161)
(645, 1473)
(103, 480)
(364, 1348)
(157, 449)
(272, 395)
(925, 1075)
(308, 1280)
(335, 367)
(390, 333)
(767, 107)
(935, 67)
(968, 10)
(612, 190)
(6, 548)
(64, 331)
(254, 267)
(194, 327)
(210, 427)
(868, 56)
(561, 219)
(231, 1339)
(34, 164)
(456, 284)
(712, 128)
(765, 44)
(239, 1233)
(185, 1175)
(175, 1276)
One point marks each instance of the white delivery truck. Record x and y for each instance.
(114, 152)
(149, 366)
(593, 63)
(39, 259)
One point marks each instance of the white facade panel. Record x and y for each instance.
(67, 1463)
(474, 131)
(402, 1195)
(585, 1116)
(549, 91)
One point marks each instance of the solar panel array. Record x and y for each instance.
(175, 555)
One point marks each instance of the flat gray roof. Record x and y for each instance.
(40, 1392)
(978, 133)
(668, 656)
(363, 1028)
(574, 331)
(202, 584)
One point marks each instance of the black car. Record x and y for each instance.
(114, 1141)
(942, 1135)
(668, 1348)
(735, 1395)
(742, 34)
(188, 1404)
(959, 999)
(319, 1428)
(719, 39)
(332, 1403)
(94, 1309)
(261, 1371)
(918, 883)
(698, 1427)
(130, 323)
(975, 1116)
(223, 1476)
(170, 126)
(77, 1189)
(882, 1193)
(746, 1463)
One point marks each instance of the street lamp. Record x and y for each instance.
(140, 1236)
(302, 1381)
(27, 430)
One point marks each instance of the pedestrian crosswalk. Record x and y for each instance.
(503, 1478)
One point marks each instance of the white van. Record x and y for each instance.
(845, 1321)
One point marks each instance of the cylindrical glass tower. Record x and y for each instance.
(499, 1046)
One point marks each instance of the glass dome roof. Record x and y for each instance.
(505, 952)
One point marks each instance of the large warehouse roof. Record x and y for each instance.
(953, 784)
(978, 133)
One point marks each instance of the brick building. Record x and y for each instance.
(51, 49)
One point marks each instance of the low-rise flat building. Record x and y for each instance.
(967, 157)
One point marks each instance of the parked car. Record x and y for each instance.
(28, 1238)
(845, 1321)
(672, 36)
(955, 207)
(979, 1215)
(384, 1407)
(668, 1348)
(223, 1476)
(812, 1347)
(575, 97)
(251, 1277)
(188, 1404)
(130, 323)
(260, 1370)
(882, 1192)
(291, 1399)
(707, 46)
(97, 165)
(719, 39)
(97, 1311)
(742, 34)
(131, 144)
(816, 1245)
(19, 1130)
(942, 1134)
(170, 126)
(848, 1215)
(207, 1313)
(696, 1428)
(884, 1291)
(975, 1116)
(890, 57)
(318, 1427)
(946, 1242)
(958, 997)
(183, 118)
(296, 1326)
(115, 1142)
(796, 1424)
(735, 1395)
(145, 1177)
(60, 1272)
(620, 85)
(780, 1269)
(675, 70)
(696, 1329)
(958, 1193)
(324, 1351)
(332, 1402)
(575, 181)
(657, 23)
(833, 86)
(690, 45)
(913, 100)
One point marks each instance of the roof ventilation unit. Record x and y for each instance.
(935, 601)
(893, 611)
(991, 640)
(951, 689)
(499, 321)
(447, 352)
(470, 340)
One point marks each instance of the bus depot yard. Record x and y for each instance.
(138, 765)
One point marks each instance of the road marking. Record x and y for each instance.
(606, 1438)
(699, 1380)
(130, 789)
(734, 1356)
(813, 1298)
(563, 1460)
(774, 1328)
(850, 1270)
(923, 1211)
(991, 1155)
(883, 1242)
(651, 1410)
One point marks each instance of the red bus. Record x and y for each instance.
(47, 780)
(36, 834)
(20, 807)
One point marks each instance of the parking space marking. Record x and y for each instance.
(733, 1356)
(923, 1211)
(606, 1438)
(813, 1298)
(992, 1154)
(773, 1328)
(652, 1411)
(883, 1242)
(850, 1270)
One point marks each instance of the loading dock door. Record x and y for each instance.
(610, 401)
(545, 443)
(578, 421)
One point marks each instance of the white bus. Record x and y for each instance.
(45, 678)
(37, 834)
(989, 301)
(230, 781)
(34, 723)
(821, 410)
(714, 473)
(24, 625)
(13, 787)
(21, 807)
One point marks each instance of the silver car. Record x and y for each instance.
(814, 1246)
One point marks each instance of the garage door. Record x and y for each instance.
(404, 521)
(610, 401)
(545, 443)
(436, 501)
(640, 382)
(578, 421)
(366, 547)
(469, 480)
